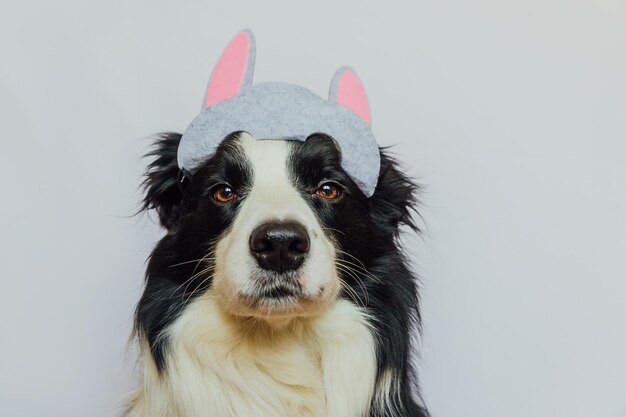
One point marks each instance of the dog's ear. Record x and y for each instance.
(395, 200)
(160, 185)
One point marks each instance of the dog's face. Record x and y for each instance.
(275, 228)
(271, 254)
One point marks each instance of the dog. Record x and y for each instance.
(279, 288)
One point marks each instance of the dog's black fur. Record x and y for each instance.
(365, 229)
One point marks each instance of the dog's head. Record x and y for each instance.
(274, 228)
(273, 221)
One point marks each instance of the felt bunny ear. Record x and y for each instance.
(347, 90)
(233, 70)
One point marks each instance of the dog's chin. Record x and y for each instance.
(273, 297)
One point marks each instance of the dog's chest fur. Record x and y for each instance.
(219, 366)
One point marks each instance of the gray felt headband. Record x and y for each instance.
(281, 111)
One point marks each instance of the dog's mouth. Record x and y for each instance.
(271, 294)
(274, 289)
(277, 301)
(279, 292)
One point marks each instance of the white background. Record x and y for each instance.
(512, 114)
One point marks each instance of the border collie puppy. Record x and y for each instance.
(279, 288)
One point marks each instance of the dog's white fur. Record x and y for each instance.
(224, 366)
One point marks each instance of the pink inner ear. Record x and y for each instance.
(351, 94)
(230, 71)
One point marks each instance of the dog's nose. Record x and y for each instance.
(279, 246)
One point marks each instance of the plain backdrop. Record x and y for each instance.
(512, 114)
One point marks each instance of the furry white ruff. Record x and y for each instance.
(224, 366)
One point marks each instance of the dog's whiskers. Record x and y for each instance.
(359, 266)
(353, 294)
(353, 274)
(193, 276)
(190, 262)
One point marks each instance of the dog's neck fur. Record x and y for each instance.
(222, 366)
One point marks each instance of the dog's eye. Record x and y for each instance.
(224, 194)
(329, 191)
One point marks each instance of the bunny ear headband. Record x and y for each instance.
(279, 110)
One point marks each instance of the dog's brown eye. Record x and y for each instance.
(329, 190)
(224, 194)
